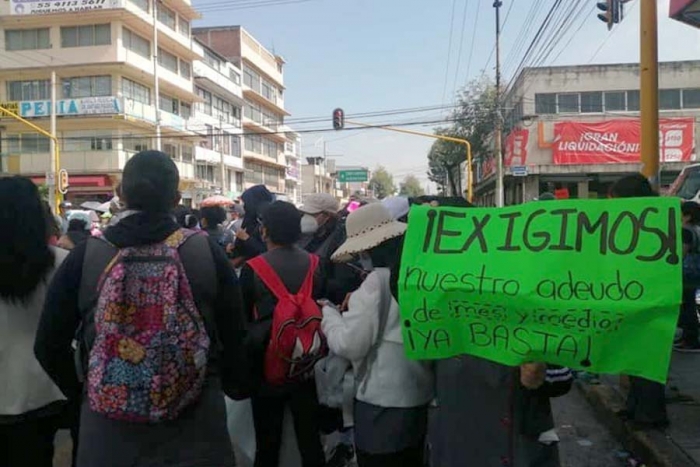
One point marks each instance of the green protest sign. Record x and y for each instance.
(589, 284)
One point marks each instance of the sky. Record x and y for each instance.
(382, 55)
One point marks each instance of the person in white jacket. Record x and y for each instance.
(392, 392)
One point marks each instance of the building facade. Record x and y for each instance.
(318, 176)
(264, 157)
(106, 108)
(574, 130)
(293, 178)
(217, 118)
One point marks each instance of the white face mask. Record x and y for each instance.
(308, 224)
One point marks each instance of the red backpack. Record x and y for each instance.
(296, 341)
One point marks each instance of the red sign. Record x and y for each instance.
(516, 148)
(488, 168)
(619, 141)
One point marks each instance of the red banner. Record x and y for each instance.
(618, 141)
(516, 148)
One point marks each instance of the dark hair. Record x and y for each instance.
(282, 223)
(388, 255)
(77, 225)
(692, 210)
(24, 249)
(632, 186)
(447, 201)
(214, 215)
(150, 182)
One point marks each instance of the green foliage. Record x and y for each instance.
(411, 187)
(382, 183)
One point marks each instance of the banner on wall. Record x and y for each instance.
(619, 141)
(516, 148)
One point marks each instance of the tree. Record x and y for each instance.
(474, 120)
(382, 183)
(411, 187)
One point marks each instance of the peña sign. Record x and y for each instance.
(588, 284)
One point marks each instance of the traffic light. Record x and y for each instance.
(338, 119)
(63, 181)
(611, 12)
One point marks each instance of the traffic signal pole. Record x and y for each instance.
(649, 91)
(470, 185)
(56, 159)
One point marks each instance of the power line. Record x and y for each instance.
(449, 50)
(461, 44)
(471, 49)
(227, 6)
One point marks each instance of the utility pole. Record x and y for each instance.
(498, 139)
(221, 152)
(156, 84)
(649, 91)
(53, 175)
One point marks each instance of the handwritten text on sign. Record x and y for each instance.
(588, 284)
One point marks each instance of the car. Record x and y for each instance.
(687, 184)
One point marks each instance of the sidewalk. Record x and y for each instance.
(679, 444)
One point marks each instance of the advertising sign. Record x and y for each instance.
(619, 141)
(593, 285)
(83, 106)
(32, 7)
(516, 148)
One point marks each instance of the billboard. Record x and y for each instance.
(516, 148)
(619, 141)
(32, 7)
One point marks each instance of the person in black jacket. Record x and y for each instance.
(281, 230)
(249, 242)
(199, 436)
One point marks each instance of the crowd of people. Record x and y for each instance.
(133, 335)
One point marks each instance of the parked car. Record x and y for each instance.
(687, 184)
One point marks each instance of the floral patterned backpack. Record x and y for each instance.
(148, 360)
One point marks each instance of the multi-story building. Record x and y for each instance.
(107, 105)
(217, 117)
(292, 154)
(574, 130)
(264, 156)
(317, 176)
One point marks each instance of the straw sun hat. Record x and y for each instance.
(368, 227)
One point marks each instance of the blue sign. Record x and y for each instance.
(83, 106)
(518, 171)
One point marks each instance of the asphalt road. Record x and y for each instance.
(584, 441)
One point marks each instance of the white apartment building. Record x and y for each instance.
(106, 102)
(217, 118)
(574, 130)
(293, 178)
(264, 157)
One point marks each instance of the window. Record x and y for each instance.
(251, 78)
(143, 4)
(169, 104)
(268, 91)
(691, 98)
(166, 16)
(76, 141)
(204, 107)
(135, 143)
(167, 60)
(27, 39)
(615, 101)
(235, 146)
(86, 36)
(171, 150)
(591, 102)
(669, 99)
(13, 144)
(87, 86)
(183, 27)
(632, 101)
(545, 103)
(187, 152)
(32, 90)
(212, 60)
(254, 173)
(235, 76)
(185, 69)
(568, 103)
(185, 110)
(32, 143)
(135, 91)
(136, 43)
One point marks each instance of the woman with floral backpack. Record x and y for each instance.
(156, 314)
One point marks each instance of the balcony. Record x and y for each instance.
(203, 154)
(147, 113)
(79, 162)
(226, 86)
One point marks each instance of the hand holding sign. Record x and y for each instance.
(581, 283)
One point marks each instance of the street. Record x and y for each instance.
(584, 441)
